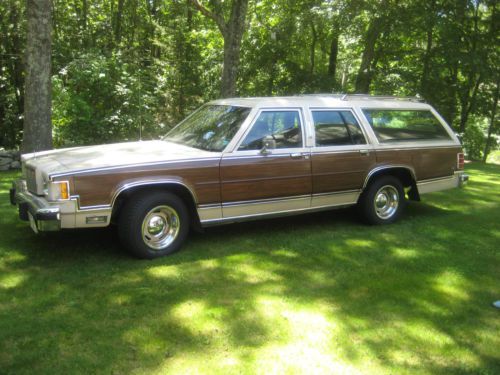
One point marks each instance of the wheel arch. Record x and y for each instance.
(129, 190)
(404, 173)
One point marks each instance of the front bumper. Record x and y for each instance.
(42, 216)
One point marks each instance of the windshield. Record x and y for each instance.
(210, 128)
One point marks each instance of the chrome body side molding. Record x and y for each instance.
(209, 212)
(52, 176)
(129, 185)
(267, 206)
(275, 207)
(341, 198)
(388, 166)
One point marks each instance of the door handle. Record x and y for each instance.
(299, 155)
(364, 152)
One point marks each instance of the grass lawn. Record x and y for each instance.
(317, 293)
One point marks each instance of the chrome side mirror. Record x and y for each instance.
(268, 144)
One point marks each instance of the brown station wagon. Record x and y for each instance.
(246, 158)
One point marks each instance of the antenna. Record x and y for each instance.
(140, 108)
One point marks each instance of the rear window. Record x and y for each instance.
(392, 125)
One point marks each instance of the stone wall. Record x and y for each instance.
(9, 160)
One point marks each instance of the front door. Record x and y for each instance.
(270, 170)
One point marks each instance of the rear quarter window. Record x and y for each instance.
(391, 125)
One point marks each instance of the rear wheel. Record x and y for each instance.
(383, 201)
(153, 225)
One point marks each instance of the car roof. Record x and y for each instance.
(327, 101)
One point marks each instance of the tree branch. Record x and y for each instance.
(216, 17)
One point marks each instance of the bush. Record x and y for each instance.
(98, 99)
(474, 139)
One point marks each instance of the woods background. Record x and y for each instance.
(119, 66)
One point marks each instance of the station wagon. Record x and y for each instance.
(245, 158)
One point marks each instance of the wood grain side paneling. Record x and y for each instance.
(427, 163)
(435, 162)
(97, 188)
(333, 172)
(264, 177)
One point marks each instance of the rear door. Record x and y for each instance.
(341, 157)
(276, 178)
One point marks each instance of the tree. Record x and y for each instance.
(232, 31)
(368, 60)
(37, 103)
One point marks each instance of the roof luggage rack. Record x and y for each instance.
(369, 97)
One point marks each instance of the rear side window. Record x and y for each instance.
(405, 125)
(337, 128)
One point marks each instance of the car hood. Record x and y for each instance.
(110, 155)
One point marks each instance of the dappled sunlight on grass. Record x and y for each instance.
(168, 272)
(323, 295)
(453, 285)
(11, 280)
(405, 253)
(359, 243)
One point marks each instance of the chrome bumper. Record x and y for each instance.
(42, 216)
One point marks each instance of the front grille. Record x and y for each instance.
(31, 180)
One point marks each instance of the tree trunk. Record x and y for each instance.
(313, 48)
(365, 73)
(37, 103)
(118, 23)
(469, 92)
(334, 52)
(492, 122)
(424, 81)
(233, 34)
(468, 100)
(85, 41)
(231, 65)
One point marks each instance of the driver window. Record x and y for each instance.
(282, 126)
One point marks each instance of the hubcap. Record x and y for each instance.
(160, 227)
(386, 202)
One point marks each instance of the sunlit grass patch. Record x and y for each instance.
(319, 293)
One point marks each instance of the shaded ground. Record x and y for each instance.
(311, 293)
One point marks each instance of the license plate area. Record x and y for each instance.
(32, 223)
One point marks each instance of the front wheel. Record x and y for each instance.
(383, 201)
(153, 225)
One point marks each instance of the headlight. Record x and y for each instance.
(57, 191)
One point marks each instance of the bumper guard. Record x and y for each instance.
(42, 216)
(463, 179)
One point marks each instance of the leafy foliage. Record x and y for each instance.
(122, 66)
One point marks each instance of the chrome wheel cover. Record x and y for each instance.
(160, 227)
(386, 202)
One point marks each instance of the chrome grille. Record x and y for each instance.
(31, 180)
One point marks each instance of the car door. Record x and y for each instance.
(269, 171)
(341, 157)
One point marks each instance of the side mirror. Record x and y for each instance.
(268, 144)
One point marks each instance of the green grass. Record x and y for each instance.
(314, 293)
